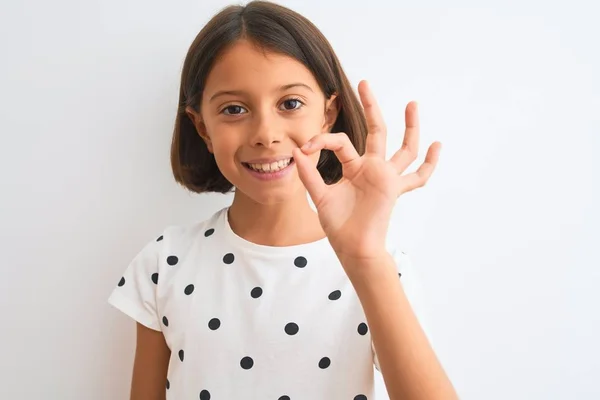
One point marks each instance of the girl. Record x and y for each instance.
(267, 299)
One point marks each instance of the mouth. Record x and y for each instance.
(270, 168)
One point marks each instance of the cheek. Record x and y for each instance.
(224, 146)
(306, 128)
(221, 135)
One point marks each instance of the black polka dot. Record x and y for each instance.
(172, 260)
(204, 395)
(181, 355)
(300, 262)
(247, 362)
(155, 278)
(228, 258)
(335, 295)
(399, 275)
(360, 397)
(209, 232)
(159, 238)
(188, 289)
(165, 321)
(324, 363)
(284, 398)
(363, 328)
(291, 328)
(256, 292)
(214, 324)
(168, 385)
(122, 281)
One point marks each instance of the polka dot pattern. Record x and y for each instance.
(335, 295)
(247, 363)
(324, 363)
(300, 262)
(172, 260)
(290, 328)
(256, 293)
(189, 289)
(363, 329)
(214, 324)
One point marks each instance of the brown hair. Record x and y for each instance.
(273, 28)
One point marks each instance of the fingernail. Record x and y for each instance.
(306, 145)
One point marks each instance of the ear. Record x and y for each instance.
(331, 113)
(196, 119)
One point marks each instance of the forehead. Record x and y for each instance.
(243, 66)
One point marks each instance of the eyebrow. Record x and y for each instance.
(241, 92)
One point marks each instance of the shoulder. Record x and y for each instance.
(174, 240)
(183, 234)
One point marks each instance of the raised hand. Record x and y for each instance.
(355, 212)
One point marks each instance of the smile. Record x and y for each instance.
(269, 167)
(269, 171)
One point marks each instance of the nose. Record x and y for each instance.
(265, 131)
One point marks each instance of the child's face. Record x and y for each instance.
(261, 123)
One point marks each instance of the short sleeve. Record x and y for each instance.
(135, 294)
(412, 288)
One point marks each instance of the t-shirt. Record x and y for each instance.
(248, 321)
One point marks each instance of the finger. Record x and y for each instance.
(310, 176)
(339, 143)
(376, 135)
(410, 144)
(420, 177)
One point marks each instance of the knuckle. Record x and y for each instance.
(341, 137)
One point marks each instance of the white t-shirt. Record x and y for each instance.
(247, 321)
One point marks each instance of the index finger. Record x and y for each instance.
(376, 136)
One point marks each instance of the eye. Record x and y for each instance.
(292, 102)
(289, 105)
(233, 110)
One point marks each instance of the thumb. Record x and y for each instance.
(310, 176)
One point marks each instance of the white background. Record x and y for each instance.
(505, 235)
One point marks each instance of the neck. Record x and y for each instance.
(289, 223)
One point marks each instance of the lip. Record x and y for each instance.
(270, 176)
(266, 160)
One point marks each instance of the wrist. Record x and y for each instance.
(362, 267)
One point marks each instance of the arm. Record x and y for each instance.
(150, 366)
(355, 213)
(409, 366)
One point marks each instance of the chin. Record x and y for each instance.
(272, 196)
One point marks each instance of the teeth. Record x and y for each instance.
(272, 167)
